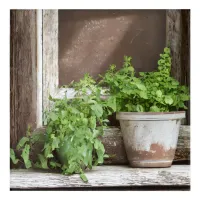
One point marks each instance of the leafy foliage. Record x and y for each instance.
(13, 157)
(164, 92)
(73, 126)
(150, 92)
(72, 131)
(24, 145)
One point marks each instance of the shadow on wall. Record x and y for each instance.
(89, 41)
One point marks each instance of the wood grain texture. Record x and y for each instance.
(50, 55)
(103, 176)
(23, 73)
(178, 39)
(113, 143)
(173, 40)
(185, 54)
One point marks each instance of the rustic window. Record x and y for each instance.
(91, 40)
(88, 41)
(70, 43)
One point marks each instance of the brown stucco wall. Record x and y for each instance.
(91, 40)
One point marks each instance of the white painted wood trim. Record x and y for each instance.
(103, 176)
(50, 71)
(50, 56)
(39, 67)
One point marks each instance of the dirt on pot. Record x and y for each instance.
(151, 158)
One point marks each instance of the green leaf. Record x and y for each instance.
(25, 156)
(111, 102)
(184, 97)
(97, 110)
(43, 161)
(74, 110)
(96, 144)
(53, 116)
(181, 104)
(28, 164)
(141, 86)
(13, 157)
(92, 122)
(106, 156)
(54, 164)
(55, 143)
(100, 156)
(143, 94)
(100, 150)
(49, 130)
(50, 155)
(168, 100)
(141, 73)
(71, 127)
(130, 107)
(28, 132)
(22, 143)
(47, 149)
(166, 55)
(139, 108)
(131, 69)
(159, 93)
(83, 177)
(154, 109)
(175, 83)
(166, 50)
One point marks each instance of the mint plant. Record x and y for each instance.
(129, 91)
(153, 91)
(164, 92)
(25, 145)
(73, 128)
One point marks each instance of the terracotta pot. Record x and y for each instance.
(150, 138)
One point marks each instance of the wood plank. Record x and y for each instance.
(178, 39)
(185, 54)
(103, 176)
(39, 68)
(173, 40)
(23, 73)
(113, 143)
(50, 55)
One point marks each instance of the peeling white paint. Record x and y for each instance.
(142, 134)
(39, 68)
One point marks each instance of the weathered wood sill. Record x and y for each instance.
(102, 176)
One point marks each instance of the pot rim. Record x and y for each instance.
(152, 113)
(146, 116)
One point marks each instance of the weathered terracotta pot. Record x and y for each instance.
(150, 138)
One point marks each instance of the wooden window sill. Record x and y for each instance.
(102, 176)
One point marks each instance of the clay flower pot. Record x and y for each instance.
(150, 138)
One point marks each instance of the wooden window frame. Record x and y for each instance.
(49, 65)
(35, 73)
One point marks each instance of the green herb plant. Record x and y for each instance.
(73, 128)
(164, 92)
(153, 91)
(25, 145)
